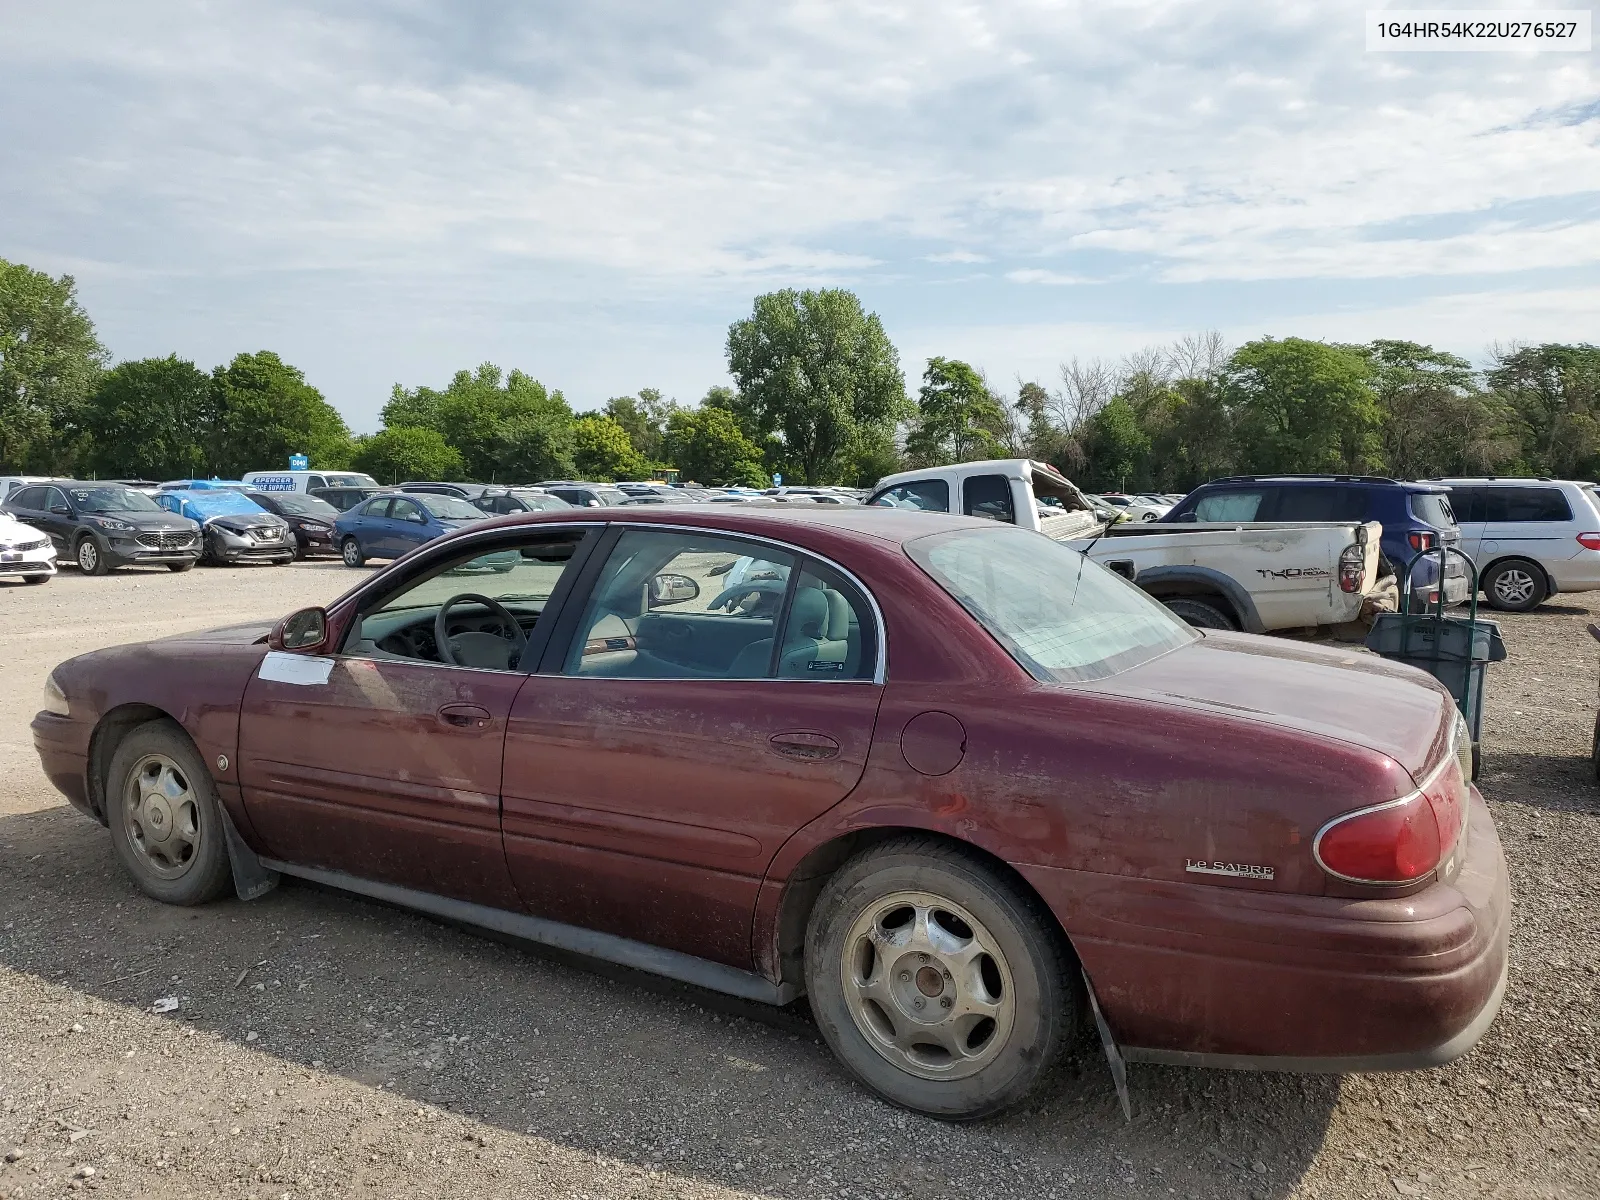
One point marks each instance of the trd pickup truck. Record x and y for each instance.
(1258, 576)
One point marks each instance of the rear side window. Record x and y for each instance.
(928, 495)
(1230, 506)
(377, 508)
(28, 497)
(1434, 509)
(1521, 504)
(829, 633)
(1321, 503)
(988, 496)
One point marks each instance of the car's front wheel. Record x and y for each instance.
(350, 551)
(179, 567)
(166, 827)
(90, 560)
(1514, 586)
(937, 981)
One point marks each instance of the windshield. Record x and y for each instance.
(449, 508)
(1061, 616)
(350, 480)
(112, 499)
(300, 505)
(612, 495)
(219, 503)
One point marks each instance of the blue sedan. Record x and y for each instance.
(391, 524)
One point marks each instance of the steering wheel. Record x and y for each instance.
(758, 598)
(475, 648)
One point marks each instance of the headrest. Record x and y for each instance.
(838, 616)
(809, 615)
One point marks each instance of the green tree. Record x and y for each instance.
(504, 426)
(50, 363)
(707, 446)
(602, 450)
(1552, 393)
(406, 452)
(644, 418)
(262, 410)
(813, 368)
(1115, 444)
(148, 419)
(1436, 420)
(1300, 405)
(957, 418)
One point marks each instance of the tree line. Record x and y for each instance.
(819, 396)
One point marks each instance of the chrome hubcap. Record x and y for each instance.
(1514, 586)
(352, 552)
(927, 985)
(161, 814)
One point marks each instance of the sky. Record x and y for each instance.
(387, 192)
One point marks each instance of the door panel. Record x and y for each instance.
(651, 808)
(389, 771)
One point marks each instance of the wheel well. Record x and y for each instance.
(1178, 590)
(108, 734)
(811, 874)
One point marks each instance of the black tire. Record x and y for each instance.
(1036, 962)
(204, 874)
(1200, 613)
(1515, 585)
(179, 568)
(350, 551)
(91, 559)
(1594, 752)
(37, 579)
(1477, 761)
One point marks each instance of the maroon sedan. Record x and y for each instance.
(956, 783)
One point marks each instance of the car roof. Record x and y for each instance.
(1510, 480)
(1293, 480)
(778, 521)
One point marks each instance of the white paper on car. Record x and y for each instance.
(306, 670)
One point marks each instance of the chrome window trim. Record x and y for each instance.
(880, 667)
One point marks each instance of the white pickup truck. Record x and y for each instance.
(1258, 576)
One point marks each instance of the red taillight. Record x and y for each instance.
(1589, 541)
(1352, 566)
(1421, 541)
(1401, 841)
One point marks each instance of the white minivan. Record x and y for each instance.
(305, 481)
(1531, 538)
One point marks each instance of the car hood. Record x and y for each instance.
(242, 521)
(228, 635)
(1334, 692)
(151, 522)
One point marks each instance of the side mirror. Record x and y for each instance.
(61, 510)
(1189, 517)
(1125, 568)
(303, 630)
(591, 504)
(672, 589)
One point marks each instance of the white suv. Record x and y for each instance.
(1531, 538)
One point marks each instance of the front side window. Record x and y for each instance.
(671, 604)
(1061, 616)
(925, 495)
(1229, 506)
(516, 579)
(988, 496)
(406, 510)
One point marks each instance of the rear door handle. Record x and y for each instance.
(805, 747)
(465, 716)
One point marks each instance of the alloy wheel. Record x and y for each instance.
(1514, 586)
(927, 985)
(88, 556)
(161, 815)
(352, 552)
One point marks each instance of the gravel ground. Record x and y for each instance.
(323, 1045)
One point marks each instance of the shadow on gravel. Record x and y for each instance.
(605, 1060)
(1558, 782)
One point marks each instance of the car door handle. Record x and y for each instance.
(806, 747)
(465, 716)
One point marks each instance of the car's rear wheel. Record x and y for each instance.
(936, 981)
(350, 551)
(165, 824)
(90, 560)
(1199, 613)
(1515, 585)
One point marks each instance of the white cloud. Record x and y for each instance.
(617, 165)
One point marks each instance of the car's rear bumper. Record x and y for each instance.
(62, 744)
(1223, 976)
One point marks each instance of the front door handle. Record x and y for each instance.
(465, 716)
(805, 747)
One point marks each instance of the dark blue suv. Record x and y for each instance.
(1415, 516)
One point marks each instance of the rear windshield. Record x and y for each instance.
(1061, 616)
(300, 505)
(448, 508)
(1434, 509)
